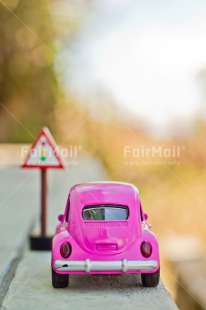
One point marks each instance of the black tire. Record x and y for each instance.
(59, 280)
(150, 279)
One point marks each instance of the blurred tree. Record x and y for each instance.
(28, 85)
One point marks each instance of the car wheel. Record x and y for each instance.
(150, 279)
(59, 280)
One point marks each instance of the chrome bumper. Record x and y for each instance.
(89, 266)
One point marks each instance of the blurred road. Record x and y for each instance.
(18, 208)
(31, 286)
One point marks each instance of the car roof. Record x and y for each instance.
(104, 185)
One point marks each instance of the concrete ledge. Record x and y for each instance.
(9, 261)
(32, 289)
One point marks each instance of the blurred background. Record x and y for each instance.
(126, 81)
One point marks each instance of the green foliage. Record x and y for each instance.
(28, 85)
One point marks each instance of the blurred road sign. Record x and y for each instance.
(43, 153)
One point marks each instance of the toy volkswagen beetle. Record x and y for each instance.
(104, 231)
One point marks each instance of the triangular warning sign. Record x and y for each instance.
(43, 153)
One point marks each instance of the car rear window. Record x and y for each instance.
(105, 212)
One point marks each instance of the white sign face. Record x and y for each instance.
(43, 153)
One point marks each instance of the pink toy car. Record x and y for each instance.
(104, 231)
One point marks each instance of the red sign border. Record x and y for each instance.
(44, 132)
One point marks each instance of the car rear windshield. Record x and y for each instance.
(105, 212)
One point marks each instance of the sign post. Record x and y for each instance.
(43, 201)
(43, 155)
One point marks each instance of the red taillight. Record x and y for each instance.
(65, 249)
(146, 249)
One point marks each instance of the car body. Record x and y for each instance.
(104, 231)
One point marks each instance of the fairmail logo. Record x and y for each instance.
(153, 151)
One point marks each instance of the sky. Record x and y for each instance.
(147, 54)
